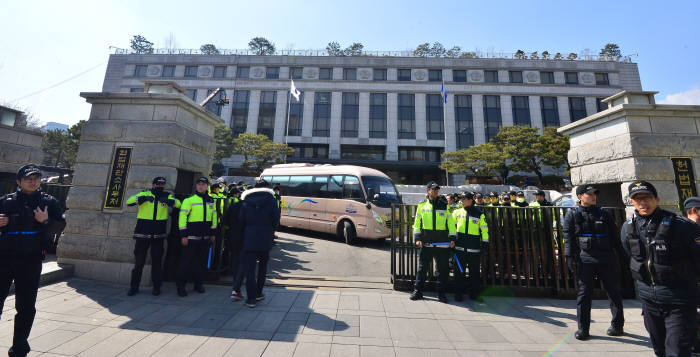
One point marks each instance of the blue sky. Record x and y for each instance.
(46, 42)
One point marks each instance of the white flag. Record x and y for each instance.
(295, 92)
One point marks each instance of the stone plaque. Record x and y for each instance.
(684, 179)
(117, 178)
(365, 73)
(154, 70)
(588, 78)
(420, 74)
(476, 76)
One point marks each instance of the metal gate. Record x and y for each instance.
(526, 253)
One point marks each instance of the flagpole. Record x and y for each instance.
(444, 128)
(289, 105)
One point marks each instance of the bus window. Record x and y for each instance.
(283, 181)
(351, 189)
(320, 186)
(267, 178)
(335, 187)
(300, 186)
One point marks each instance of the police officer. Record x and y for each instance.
(197, 224)
(150, 231)
(664, 259)
(692, 209)
(28, 217)
(589, 241)
(519, 200)
(493, 199)
(479, 199)
(505, 200)
(219, 198)
(472, 235)
(513, 196)
(433, 232)
(540, 200)
(452, 203)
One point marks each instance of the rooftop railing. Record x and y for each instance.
(407, 53)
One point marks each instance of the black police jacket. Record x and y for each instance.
(24, 235)
(235, 227)
(663, 247)
(590, 234)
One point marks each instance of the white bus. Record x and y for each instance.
(350, 201)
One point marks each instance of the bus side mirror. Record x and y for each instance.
(370, 193)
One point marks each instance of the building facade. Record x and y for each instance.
(382, 112)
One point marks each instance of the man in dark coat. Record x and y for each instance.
(259, 215)
(235, 241)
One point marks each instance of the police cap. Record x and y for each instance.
(539, 193)
(512, 193)
(586, 189)
(432, 185)
(639, 186)
(478, 195)
(521, 194)
(27, 170)
(493, 194)
(160, 180)
(691, 202)
(468, 195)
(203, 179)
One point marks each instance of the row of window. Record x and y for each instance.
(379, 74)
(364, 152)
(321, 186)
(406, 109)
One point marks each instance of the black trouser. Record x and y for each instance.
(254, 285)
(193, 262)
(236, 245)
(442, 256)
(467, 261)
(25, 271)
(671, 327)
(608, 275)
(140, 251)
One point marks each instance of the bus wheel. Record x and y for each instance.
(346, 232)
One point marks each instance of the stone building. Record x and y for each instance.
(383, 111)
(18, 145)
(637, 139)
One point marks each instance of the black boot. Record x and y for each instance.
(615, 331)
(181, 291)
(581, 335)
(156, 291)
(442, 298)
(416, 295)
(132, 291)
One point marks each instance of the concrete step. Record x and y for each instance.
(376, 284)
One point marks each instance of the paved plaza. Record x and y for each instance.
(87, 318)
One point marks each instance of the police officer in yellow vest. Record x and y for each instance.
(197, 228)
(150, 231)
(434, 233)
(472, 238)
(219, 198)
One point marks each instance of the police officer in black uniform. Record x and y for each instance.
(664, 260)
(28, 217)
(589, 241)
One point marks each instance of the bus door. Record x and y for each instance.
(354, 203)
(318, 214)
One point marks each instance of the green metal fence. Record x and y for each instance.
(525, 256)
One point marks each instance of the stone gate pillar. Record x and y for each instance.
(129, 139)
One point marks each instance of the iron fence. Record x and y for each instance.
(525, 256)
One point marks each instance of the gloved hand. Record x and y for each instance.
(571, 263)
(143, 199)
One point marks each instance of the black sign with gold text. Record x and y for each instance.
(685, 179)
(117, 178)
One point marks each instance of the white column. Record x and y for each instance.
(363, 124)
(421, 129)
(447, 75)
(307, 124)
(478, 119)
(253, 111)
(563, 106)
(559, 78)
(391, 74)
(506, 110)
(281, 116)
(284, 72)
(450, 126)
(336, 106)
(392, 126)
(337, 73)
(591, 108)
(536, 113)
(503, 76)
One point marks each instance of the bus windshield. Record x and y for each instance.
(383, 189)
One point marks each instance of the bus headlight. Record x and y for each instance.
(377, 218)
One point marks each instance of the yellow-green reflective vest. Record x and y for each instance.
(433, 224)
(219, 199)
(197, 216)
(471, 225)
(146, 209)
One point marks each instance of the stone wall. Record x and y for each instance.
(167, 132)
(633, 140)
(18, 147)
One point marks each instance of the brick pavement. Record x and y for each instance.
(86, 318)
